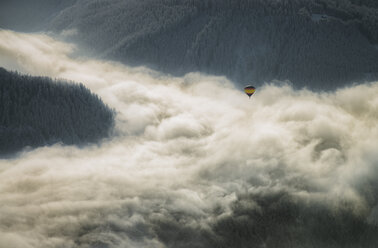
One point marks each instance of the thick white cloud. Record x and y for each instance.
(183, 146)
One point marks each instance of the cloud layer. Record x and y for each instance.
(194, 163)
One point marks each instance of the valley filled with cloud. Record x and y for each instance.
(193, 162)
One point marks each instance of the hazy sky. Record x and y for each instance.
(188, 153)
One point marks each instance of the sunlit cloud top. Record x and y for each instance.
(186, 150)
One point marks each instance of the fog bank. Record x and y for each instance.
(194, 163)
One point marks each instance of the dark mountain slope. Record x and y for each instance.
(37, 111)
(320, 44)
(29, 15)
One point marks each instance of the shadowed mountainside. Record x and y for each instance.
(26, 15)
(320, 44)
(37, 111)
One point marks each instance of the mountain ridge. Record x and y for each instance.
(318, 44)
(247, 41)
(39, 111)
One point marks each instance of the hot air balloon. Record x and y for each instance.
(249, 90)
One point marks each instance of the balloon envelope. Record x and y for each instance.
(249, 90)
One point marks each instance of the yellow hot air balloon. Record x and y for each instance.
(249, 90)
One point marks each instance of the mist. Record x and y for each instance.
(194, 162)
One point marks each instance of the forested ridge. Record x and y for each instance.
(37, 111)
(320, 44)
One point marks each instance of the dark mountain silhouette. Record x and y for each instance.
(321, 44)
(26, 15)
(37, 111)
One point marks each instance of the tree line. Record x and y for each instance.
(37, 111)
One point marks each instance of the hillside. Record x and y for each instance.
(37, 111)
(321, 44)
(26, 15)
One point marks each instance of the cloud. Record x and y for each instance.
(194, 163)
